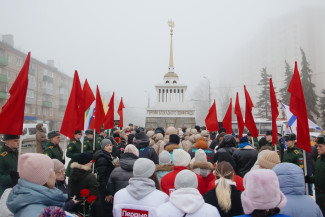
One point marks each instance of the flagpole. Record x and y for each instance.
(305, 170)
(94, 148)
(19, 153)
(81, 141)
(64, 147)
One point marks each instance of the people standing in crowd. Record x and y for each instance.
(291, 179)
(292, 154)
(215, 142)
(181, 161)
(40, 138)
(165, 165)
(173, 144)
(89, 141)
(255, 143)
(141, 141)
(186, 200)
(244, 157)
(8, 162)
(225, 197)
(61, 184)
(228, 144)
(141, 196)
(120, 176)
(319, 177)
(104, 167)
(54, 150)
(35, 189)
(158, 138)
(169, 131)
(201, 143)
(82, 178)
(262, 196)
(74, 149)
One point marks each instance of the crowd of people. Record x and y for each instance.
(162, 172)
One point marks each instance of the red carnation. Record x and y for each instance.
(93, 161)
(84, 193)
(91, 198)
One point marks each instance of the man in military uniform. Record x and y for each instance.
(292, 154)
(8, 162)
(53, 150)
(319, 178)
(74, 149)
(89, 141)
(251, 140)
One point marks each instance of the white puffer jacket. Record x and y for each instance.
(139, 198)
(189, 201)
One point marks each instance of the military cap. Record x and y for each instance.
(88, 132)
(290, 137)
(53, 134)
(77, 132)
(101, 130)
(320, 139)
(10, 137)
(269, 133)
(249, 134)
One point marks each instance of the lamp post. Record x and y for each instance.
(209, 90)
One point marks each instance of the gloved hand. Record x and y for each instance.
(14, 177)
(307, 179)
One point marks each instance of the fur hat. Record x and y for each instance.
(201, 143)
(173, 139)
(84, 158)
(143, 168)
(262, 191)
(141, 136)
(53, 134)
(171, 130)
(105, 142)
(35, 168)
(186, 179)
(193, 131)
(269, 133)
(77, 132)
(131, 149)
(10, 137)
(160, 130)
(164, 158)
(88, 132)
(268, 160)
(150, 133)
(181, 158)
(58, 165)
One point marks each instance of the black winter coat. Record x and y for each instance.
(145, 151)
(120, 176)
(236, 207)
(245, 159)
(229, 150)
(104, 167)
(69, 204)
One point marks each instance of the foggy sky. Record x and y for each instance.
(123, 46)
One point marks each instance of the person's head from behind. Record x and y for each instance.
(186, 179)
(221, 135)
(164, 158)
(85, 159)
(224, 171)
(181, 158)
(37, 169)
(228, 141)
(145, 168)
(59, 170)
(262, 195)
(268, 160)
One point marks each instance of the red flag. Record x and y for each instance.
(74, 111)
(211, 121)
(275, 113)
(88, 95)
(120, 112)
(99, 112)
(249, 120)
(227, 119)
(109, 119)
(12, 113)
(240, 121)
(298, 108)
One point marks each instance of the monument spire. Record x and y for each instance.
(171, 24)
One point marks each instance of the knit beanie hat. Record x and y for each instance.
(58, 165)
(186, 179)
(268, 160)
(143, 168)
(35, 168)
(105, 142)
(131, 149)
(243, 139)
(201, 143)
(141, 136)
(181, 157)
(84, 158)
(200, 155)
(262, 191)
(164, 158)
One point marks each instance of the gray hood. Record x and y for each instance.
(140, 187)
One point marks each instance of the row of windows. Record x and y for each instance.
(43, 111)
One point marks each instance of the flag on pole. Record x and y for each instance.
(120, 112)
(99, 112)
(249, 120)
(275, 113)
(298, 108)
(74, 111)
(109, 118)
(227, 124)
(89, 116)
(88, 99)
(12, 113)
(104, 106)
(240, 121)
(211, 121)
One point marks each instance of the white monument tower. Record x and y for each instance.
(171, 108)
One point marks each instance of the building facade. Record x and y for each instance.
(48, 88)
